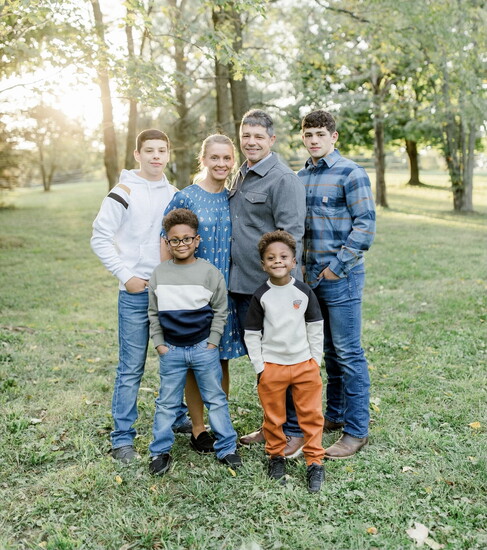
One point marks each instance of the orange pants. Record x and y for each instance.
(305, 380)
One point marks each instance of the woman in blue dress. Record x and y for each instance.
(207, 197)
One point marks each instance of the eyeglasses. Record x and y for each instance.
(185, 240)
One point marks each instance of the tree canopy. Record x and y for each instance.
(393, 73)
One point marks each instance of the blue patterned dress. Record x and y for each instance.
(215, 230)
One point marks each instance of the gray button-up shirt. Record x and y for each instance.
(267, 197)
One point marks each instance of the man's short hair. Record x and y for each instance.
(145, 135)
(256, 117)
(276, 237)
(319, 119)
(180, 216)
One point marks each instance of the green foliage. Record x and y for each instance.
(424, 334)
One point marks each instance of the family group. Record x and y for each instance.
(266, 263)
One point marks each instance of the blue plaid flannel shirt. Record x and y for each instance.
(340, 215)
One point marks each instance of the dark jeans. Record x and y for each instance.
(291, 426)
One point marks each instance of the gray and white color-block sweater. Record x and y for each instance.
(187, 303)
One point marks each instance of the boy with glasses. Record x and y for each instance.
(187, 312)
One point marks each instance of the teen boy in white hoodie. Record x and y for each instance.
(126, 238)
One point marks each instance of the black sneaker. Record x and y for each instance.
(125, 454)
(203, 443)
(185, 428)
(160, 464)
(315, 474)
(277, 469)
(232, 460)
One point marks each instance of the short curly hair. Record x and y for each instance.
(319, 119)
(276, 237)
(180, 216)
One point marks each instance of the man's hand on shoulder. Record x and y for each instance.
(135, 284)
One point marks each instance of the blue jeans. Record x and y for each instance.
(291, 426)
(347, 391)
(205, 363)
(133, 340)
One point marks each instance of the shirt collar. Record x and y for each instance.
(257, 165)
(329, 160)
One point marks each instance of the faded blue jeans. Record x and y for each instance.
(291, 426)
(205, 363)
(133, 341)
(347, 391)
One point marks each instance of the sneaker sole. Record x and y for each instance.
(163, 470)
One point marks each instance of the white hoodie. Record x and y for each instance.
(126, 231)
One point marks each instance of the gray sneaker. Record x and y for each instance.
(125, 454)
(186, 427)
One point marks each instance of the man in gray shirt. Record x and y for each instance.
(265, 196)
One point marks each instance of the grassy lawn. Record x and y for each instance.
(425, 337)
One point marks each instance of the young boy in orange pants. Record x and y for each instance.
(284, 338)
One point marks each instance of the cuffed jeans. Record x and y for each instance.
(291, 426)
(347, 391)
(133, 340)
(205, 363)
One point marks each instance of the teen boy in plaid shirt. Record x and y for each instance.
(340, 227)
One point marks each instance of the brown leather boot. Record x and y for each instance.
(254, 437)
(329, 426)
(345, 447)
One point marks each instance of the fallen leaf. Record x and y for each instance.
(428, 490)
(407, 469)
(475, 425)
(35, 420)
(372, 530)
(118, 479)
(232, 471)
(90, 371)
(56, 368)
(433, 544)
(375, 407)
(419, 533)
(349, 469)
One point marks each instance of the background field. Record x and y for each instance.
(424, 334)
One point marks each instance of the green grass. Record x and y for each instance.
(424, 333)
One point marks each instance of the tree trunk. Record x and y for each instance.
(238, 86)
(380, 164)
(182, 127)
(412, 151)
(469, 165)
(379, 152)
(109, 136)
(132, 120)
(45, 182)
(224, 122)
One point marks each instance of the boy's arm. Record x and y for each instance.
(314, 327)
(219, 304)
(253, 334)
(105, 227)
(156, 331)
